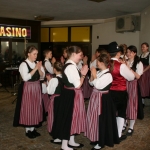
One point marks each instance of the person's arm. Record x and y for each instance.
(139, 70)
(49, 67)
(40, 69)
(52, 84)
(126, 72)
(73, 75)
(24, 72)
(93, 64)
(146, 68)
(103, 81)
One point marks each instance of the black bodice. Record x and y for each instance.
(145, 60)
(36, 75)
(64, 77)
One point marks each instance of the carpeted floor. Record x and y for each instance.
(12, 138)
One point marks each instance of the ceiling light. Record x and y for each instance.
(97, 0)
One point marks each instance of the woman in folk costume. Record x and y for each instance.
(72, 114)
(134, 101)
(29, 111)
(54, 88)
(120, 73)
(101, 115)
(144, 80)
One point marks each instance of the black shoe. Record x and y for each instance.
(123, 137)
(129, 133)
(93, 143)
(81, 145)
(52, 141)
(30, 135)
(95, 148)
(34, 132)
(124, 129)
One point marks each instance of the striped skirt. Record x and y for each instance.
(50, 117)
(78, 124)
(132, 105)
(93, 112)
(46, 101)
(87, 89)
(31, 112)
(144, 83)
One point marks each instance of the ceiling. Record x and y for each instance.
(70, 9)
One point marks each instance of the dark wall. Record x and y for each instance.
(35, 32)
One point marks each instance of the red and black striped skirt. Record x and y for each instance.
(31, 112)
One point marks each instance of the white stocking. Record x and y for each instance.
(64, 145)
(120, 123)
(132, 122)
(72, 142)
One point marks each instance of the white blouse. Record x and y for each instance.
(102, 80)
(72, 73)
(52, 84)
(139, 67)
(125, 71)
(24, 71)
(49, 66)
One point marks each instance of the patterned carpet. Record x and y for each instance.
(12, 138)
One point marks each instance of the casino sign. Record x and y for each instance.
(13, 31)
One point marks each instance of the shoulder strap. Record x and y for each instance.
(27, 65)
(105, 73)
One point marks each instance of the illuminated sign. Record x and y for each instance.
(13, 31)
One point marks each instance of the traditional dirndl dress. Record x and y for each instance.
(50, 117)
(87, 89)
(101, 119)
(45, 98)
(144, 81)
(132, 104)
(72, 113)
(29, 109)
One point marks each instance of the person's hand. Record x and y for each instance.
(62, 60)
(85, 59)
(53, 60)
(84, 70)
(48, 77)
(38, 65)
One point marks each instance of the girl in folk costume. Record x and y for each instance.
(72, 114)
(29, 111)
(144, 81)
(54, 88)
(120, 73)
(48, 65)
(63, 58)
(48, 71)
(132, 87)
(101, 117)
